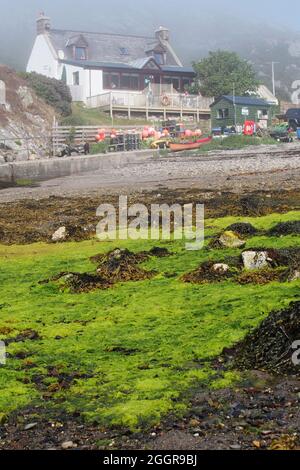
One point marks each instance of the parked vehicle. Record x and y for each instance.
(292, 116)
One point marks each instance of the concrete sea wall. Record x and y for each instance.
(67, 166)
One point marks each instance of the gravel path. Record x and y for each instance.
(250, 169)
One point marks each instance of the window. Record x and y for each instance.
(124, 51)
(172, 81)
(186, 83)
(129, 82)
(80, 53)
(115, 81)
(262, 114)
(159, 58)
(223, 113)
(76, 79)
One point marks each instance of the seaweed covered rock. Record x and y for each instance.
(122, 265)
(81, 282)
(262, 276)
(209, 272)
(286, 228)
(271, 346)
(242, 229)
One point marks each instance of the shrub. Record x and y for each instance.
(100, 147)
(54, 92)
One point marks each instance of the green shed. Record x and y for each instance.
(227, 111)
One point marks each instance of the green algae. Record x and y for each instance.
(133, 352)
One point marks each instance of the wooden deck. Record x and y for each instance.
(147, 104)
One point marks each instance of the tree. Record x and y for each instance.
(221, 72)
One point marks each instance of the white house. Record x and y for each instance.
(93, 64)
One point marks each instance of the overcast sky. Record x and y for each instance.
(189, 21)
(75, 12)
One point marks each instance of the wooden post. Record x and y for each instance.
(129, 108)
(111, 106)
(147, 107)
(181, 108)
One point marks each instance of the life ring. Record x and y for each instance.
(165, 101)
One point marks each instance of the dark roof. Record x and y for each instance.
(136, 65)
(110, 48)
(172, 68)
(242, 100)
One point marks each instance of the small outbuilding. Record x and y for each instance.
(228, 111)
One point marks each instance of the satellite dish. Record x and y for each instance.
(61, 55)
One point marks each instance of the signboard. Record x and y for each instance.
(245, 111)
(249, 128)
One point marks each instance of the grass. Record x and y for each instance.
(134, 350)
(236, 142)
(83, 116)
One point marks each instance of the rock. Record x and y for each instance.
(231, 240)
(68, 445)
(256, 259)
(30, 426)
(2, 160)
(235, 447)
(294, 276)
(25, 96)
(60, 235)
(221, 268)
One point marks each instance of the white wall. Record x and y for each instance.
(96, 81)
(90, 82)
(42, 59)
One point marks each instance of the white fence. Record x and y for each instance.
(149, 101)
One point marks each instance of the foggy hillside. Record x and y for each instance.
(260, 33)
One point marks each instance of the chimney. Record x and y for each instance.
(162, 34)
(43, 24)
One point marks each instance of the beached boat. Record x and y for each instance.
(179, 147)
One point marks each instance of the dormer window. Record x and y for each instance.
(124, 51)
(159, 58)
(80, 53)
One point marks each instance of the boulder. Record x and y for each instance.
(256, 260)
(230, 239)
(60, 235)
(221, 268)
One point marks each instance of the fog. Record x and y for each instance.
(196, 26)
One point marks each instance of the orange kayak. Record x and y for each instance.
(178, 147)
